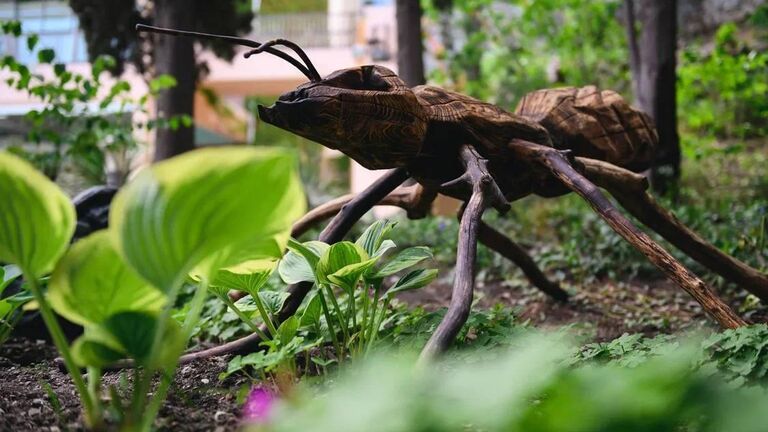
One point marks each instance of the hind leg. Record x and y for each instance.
(561, 168)
(510, 250)
(629, 189)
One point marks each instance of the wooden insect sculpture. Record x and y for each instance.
(557, 141)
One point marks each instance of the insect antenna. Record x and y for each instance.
(313, 76)
(292, 45)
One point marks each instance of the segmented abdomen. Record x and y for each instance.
(594, 123)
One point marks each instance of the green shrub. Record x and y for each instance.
(722, 92)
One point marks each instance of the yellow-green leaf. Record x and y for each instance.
(180, 211)
(36, 218)
(92, 282)
(247, 276)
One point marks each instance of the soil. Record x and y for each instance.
(199, 401)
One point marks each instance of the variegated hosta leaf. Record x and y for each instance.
(299, 264)
(92, 282)
(343, 264)
(373, 236)
(178, 212)
(413, 280)
(407, 258)
(247, 276)
(36, 219)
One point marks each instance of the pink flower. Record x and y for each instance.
(258, 405)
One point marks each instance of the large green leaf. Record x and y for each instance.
(299, 264)
(128, 335)
(348, 276)
(273, 300)
(36, 218)
(178, 212)
(135, 332)
(5, 309)
(97, 348)
(92, 282)
(405, 259)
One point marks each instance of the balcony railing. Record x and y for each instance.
(310, 29)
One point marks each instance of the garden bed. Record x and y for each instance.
(198, 400)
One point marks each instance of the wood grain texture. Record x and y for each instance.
(632, 195)
(593, 123)
(562, 169)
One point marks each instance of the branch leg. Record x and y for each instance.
(484, 191)
(562, 169)
(509, 249)
(414, 198)
(635, 199)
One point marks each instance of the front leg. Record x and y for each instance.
(484, 192)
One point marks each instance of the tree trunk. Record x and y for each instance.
(653, 74)
(174, 56)
(410, 51)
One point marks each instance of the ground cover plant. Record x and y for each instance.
(545, 383)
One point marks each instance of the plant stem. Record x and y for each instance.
(329, 321)
(264, 315)
(166, 376)
(94, 389)
(243, 317)
(373, 316)
(364, 318)
(135, 408)
(342, 318)
(157, 399)
(352, 311)
(193, 316)
(377, 325)
(60, 341)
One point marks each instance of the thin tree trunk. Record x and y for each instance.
(410, 50)
(653, 72)
(174, 56)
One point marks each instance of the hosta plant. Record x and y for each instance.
(346, 310)
(197, 214)
(352, 298)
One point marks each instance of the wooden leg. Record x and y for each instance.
(559, 166)
(491, 238)
(484, 192)
(633, 196)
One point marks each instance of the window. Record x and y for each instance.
(56, 24)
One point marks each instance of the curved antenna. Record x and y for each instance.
(233, 40)
(292, 45)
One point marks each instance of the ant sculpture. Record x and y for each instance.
(557, 141)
